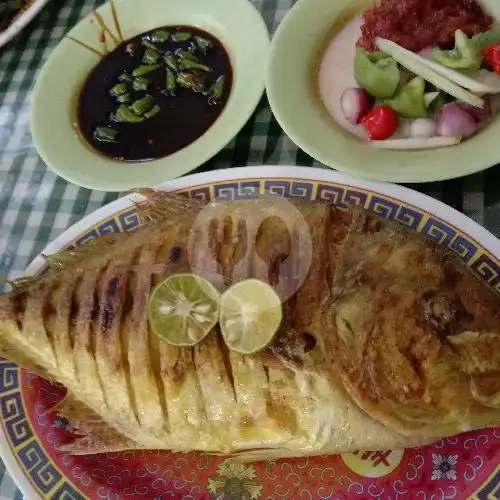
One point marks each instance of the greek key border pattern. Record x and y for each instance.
(486, 266)
(30, 452)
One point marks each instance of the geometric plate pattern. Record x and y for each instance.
(459, 467)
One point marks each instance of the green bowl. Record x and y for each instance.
(236, 23)
(291, 85)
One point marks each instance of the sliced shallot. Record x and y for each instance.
(454, 121)
(479, 114)
(355, 104)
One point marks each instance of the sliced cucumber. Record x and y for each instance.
(430, 97)
(487, 79)
(424, 68)
(417, 143)
(466, 78)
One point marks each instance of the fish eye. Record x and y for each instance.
(309, 342)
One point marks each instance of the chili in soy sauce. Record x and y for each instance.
(155, 94)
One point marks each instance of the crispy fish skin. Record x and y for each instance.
(413, 335)
(382, 332)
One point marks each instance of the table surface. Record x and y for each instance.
(36, 205)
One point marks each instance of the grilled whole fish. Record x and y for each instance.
(387, 342)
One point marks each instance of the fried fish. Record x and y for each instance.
(387, 340)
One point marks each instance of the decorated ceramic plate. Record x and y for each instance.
(16, 19)
(172, 82)
(464, 466)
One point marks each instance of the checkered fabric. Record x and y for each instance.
(36, 205)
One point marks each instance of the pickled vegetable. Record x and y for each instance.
(191, 81)
(152, 112)
(142, 105)
(171, 61)
(150, 56)
(482, 40)
(377, 73)
(140, 83)
(125, 115)
(187, 63)
(160, 36)
(118, 89)
(465, 54)
(215, 93)
(203, 43)
(159, 73)
(170, 82)
(124, 98)
(105, 134)
(144, 70)
(180, 36)
(409, 100)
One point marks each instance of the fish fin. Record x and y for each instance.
(159, 205)
(98, 439)
(18, 285)
(65, 259)
(72, 255)
(92, 434)
(12, 353)
(73, 409)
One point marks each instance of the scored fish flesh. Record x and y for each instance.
(388, 341)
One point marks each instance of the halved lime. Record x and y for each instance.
(183, 309)
(250, 316)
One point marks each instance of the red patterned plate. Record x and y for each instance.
(464, 466)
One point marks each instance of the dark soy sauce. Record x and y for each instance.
(183, 115)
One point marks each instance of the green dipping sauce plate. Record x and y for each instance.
(236, 23)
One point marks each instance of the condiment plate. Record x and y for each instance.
(21, 20)
(238, 26)
(292, 89)
(463, 466)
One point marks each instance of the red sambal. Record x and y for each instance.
(418, 24)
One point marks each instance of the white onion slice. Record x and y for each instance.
(355, 104)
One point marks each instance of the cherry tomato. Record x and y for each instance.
(381, 122)
(491, 55)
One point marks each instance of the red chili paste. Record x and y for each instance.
(418, 24)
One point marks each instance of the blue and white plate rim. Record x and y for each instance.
(286, 173)
(450, 216)
(21, 21)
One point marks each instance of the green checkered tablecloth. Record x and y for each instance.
(36, 205)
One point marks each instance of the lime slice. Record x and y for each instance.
(250, 316)
(183, 309)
